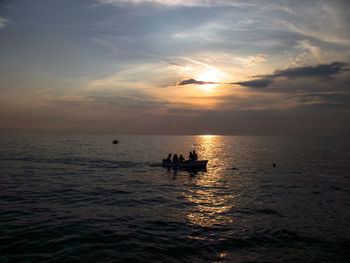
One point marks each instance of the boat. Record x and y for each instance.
(188, 164)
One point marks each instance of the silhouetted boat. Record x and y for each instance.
(191, 164)
(115, 142)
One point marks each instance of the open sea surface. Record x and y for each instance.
(84, 199)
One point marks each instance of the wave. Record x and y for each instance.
(93, 163)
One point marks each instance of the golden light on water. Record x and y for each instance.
(208, 136)
(211, 204)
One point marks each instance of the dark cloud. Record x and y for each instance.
(322, 71)
(256, 83)
(193, 81)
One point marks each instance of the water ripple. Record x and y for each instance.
(83, 199)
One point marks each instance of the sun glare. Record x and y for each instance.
(208, 136)
(208, 77)
(207, 87)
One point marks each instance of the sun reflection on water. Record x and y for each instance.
(210, 197)
(208, 136)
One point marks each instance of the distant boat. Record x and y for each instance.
(190, 164)
(115, 142)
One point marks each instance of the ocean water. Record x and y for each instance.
(84, 199)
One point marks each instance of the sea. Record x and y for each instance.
(84, 199)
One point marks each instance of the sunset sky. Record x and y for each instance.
(175, 67)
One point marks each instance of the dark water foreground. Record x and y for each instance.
(81, 198)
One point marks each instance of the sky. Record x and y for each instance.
(253, 67)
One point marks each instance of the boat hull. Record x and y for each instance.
(192, 164)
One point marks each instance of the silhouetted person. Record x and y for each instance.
(274, 165)
(168, 160)
(191, 157)
(175, 158)
(195, 157)
(181, 158)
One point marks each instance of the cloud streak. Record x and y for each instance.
(257, 83)
(322, 71)
(194, 82)
(189, 3)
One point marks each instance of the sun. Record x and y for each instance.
(207, 77)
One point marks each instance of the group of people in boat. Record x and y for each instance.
(180, 159)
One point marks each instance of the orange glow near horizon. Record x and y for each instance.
(192, 96)
(208, 87)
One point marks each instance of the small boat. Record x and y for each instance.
(115, 142)
(188, 164)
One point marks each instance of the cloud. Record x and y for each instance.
(3, 22)
(251, 61)
(193, 81)
(211, 68)
(322, 71)
(257, 83)
(189, 3)
(311, 53)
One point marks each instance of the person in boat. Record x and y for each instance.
(181, 159)
(191, 157)
(167, 160)
(175, 158)
(195, 157)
